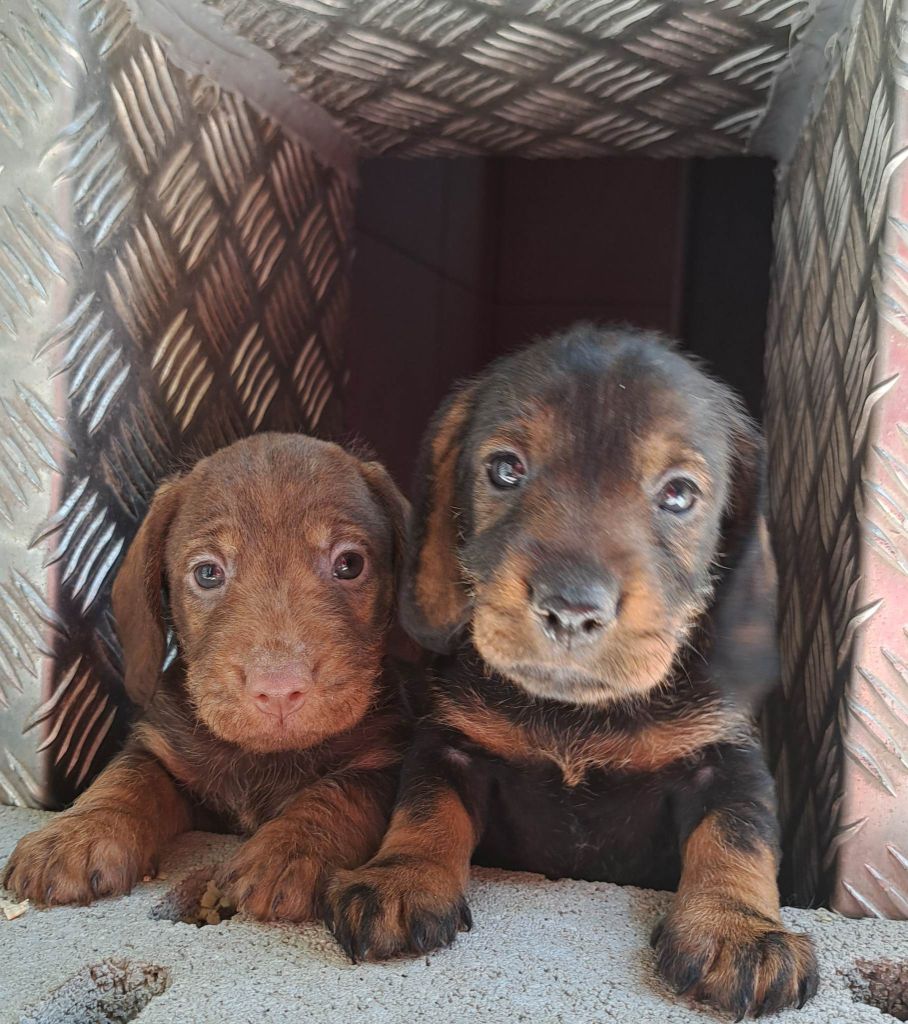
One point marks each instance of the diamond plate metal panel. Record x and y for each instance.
(173, 273)
(873, 849)
(827, 372)
(540, 78)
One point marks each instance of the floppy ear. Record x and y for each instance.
(395, 505)
(745, 659)
(434, 600)
(136, 597)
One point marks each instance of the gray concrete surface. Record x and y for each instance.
(540, 951)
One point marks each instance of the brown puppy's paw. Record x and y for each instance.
(734, 958)
(272, 883)
(79, 857)
(393, 906)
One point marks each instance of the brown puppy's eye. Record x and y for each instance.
(209, 575)
(348, 565)
(678, 495)
(506, 469)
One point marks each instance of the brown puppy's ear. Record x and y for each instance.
(395, 505)
(136, 597)
(434, 600)
(745, 660)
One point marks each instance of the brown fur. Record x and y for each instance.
(723, 940)
(334, 823)
(594, 622)
(107, 841)
(644, 639)
(137, 594)
(436, 571)
(646, 748)
(420, 872)
(313, 784)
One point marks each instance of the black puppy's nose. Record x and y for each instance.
(574, 613)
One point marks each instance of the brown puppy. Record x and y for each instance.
(590, 557)
(277, 557)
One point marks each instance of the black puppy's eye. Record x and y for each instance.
(348, 565)
(209, 575)
(506, 469)
(678, 495)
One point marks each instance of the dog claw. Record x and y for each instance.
(466, 918)
(356, 951)
(687, 987)
(806, 990)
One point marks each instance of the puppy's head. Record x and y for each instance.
(577, 508)
(277, 556)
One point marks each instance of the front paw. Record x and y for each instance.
(78, 857)
(734, 958)
(271, 882)
(387, 908)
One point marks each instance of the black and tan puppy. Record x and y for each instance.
(277, 719)
(589, 554)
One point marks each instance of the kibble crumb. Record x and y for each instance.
(11, 909)
(213, 908)
(210, 897)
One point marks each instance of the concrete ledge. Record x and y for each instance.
(540, 951)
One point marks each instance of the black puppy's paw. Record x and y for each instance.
(735, 959)
(387, 909)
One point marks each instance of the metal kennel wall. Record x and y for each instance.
(176, 186)
(173, 275)
(837, 426)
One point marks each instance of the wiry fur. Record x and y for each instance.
(312, 789)
(630, 756)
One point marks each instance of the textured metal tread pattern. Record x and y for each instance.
(823, 384)
(531, 77)
(872, 854)
(173, 272)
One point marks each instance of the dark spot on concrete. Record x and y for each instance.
(111, 992)
(883, 984)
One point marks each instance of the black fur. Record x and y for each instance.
(591, 407)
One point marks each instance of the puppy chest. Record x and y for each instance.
(610, 828)
(246, 797)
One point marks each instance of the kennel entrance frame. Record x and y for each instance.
(174, 258)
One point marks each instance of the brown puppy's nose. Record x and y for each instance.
(279, 690)
(573, 613)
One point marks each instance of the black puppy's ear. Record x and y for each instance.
(136, 597)
(434, 600)
(745, 660)
(395, 505)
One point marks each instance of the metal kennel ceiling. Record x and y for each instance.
(544, 79)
